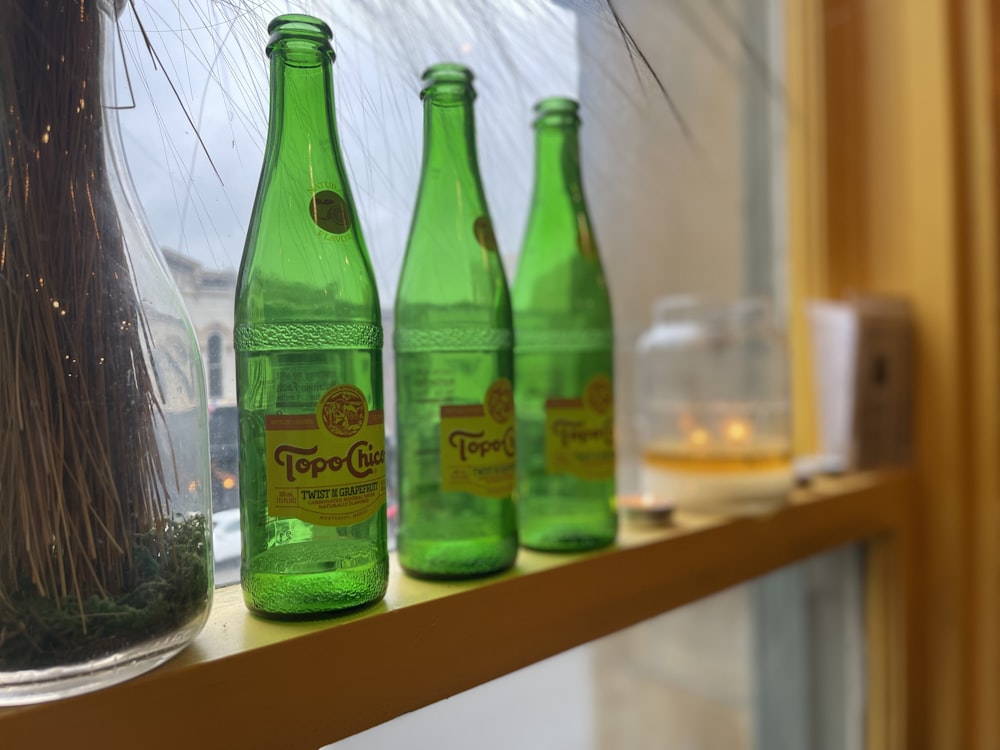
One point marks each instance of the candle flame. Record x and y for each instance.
(737, 431)
(699, 437)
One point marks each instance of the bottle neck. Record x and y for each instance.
(301, 112)
(449, 156)
(557, 167)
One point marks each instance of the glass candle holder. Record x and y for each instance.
(713, 407)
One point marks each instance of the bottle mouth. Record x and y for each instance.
(447, 78)
(297, 29)
(557, 110)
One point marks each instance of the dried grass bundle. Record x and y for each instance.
(81, 475)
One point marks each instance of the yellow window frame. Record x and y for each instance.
(892, 132)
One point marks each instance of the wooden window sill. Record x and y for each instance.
(249, 682)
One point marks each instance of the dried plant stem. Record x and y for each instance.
(80, 472)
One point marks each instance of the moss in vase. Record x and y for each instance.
(171, 588)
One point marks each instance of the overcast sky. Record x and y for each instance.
(213, 54)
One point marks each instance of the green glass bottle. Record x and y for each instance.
(563, 356)
(454, 357)
(308, 345)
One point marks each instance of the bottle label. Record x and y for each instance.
(579, 432)
(482, 227)
(330, 212)
(327, 468)
(477, 444)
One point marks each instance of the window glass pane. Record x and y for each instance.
(686, 188)
(776, 664)
(683, 182)
(199, 204)
(215, 366)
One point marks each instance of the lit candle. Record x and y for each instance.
(699, 437)
(732, 469)
(737, 431)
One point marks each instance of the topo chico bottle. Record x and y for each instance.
(563, 355)
(454, 361)
(308, 352)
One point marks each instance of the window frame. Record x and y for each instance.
(893, 190)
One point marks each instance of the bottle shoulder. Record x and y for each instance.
(305, 246)
(557, 240)
(266, 297)
(561, 283)
(452, 268)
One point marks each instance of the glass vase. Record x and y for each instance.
(105, 527)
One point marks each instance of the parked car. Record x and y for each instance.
(226, 543)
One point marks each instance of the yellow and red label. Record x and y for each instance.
(327, 468)
(579, 432)
(477, 444)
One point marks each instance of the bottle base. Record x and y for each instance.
(320, 613)
(567, 542)
(456, 575)
(308, 596)
(310, 579)
(564, 527)
(456, 560)
(39, 685)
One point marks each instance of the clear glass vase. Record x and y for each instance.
(105, 515)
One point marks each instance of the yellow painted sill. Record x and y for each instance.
(249, 682)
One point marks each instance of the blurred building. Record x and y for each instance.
(209, 296)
